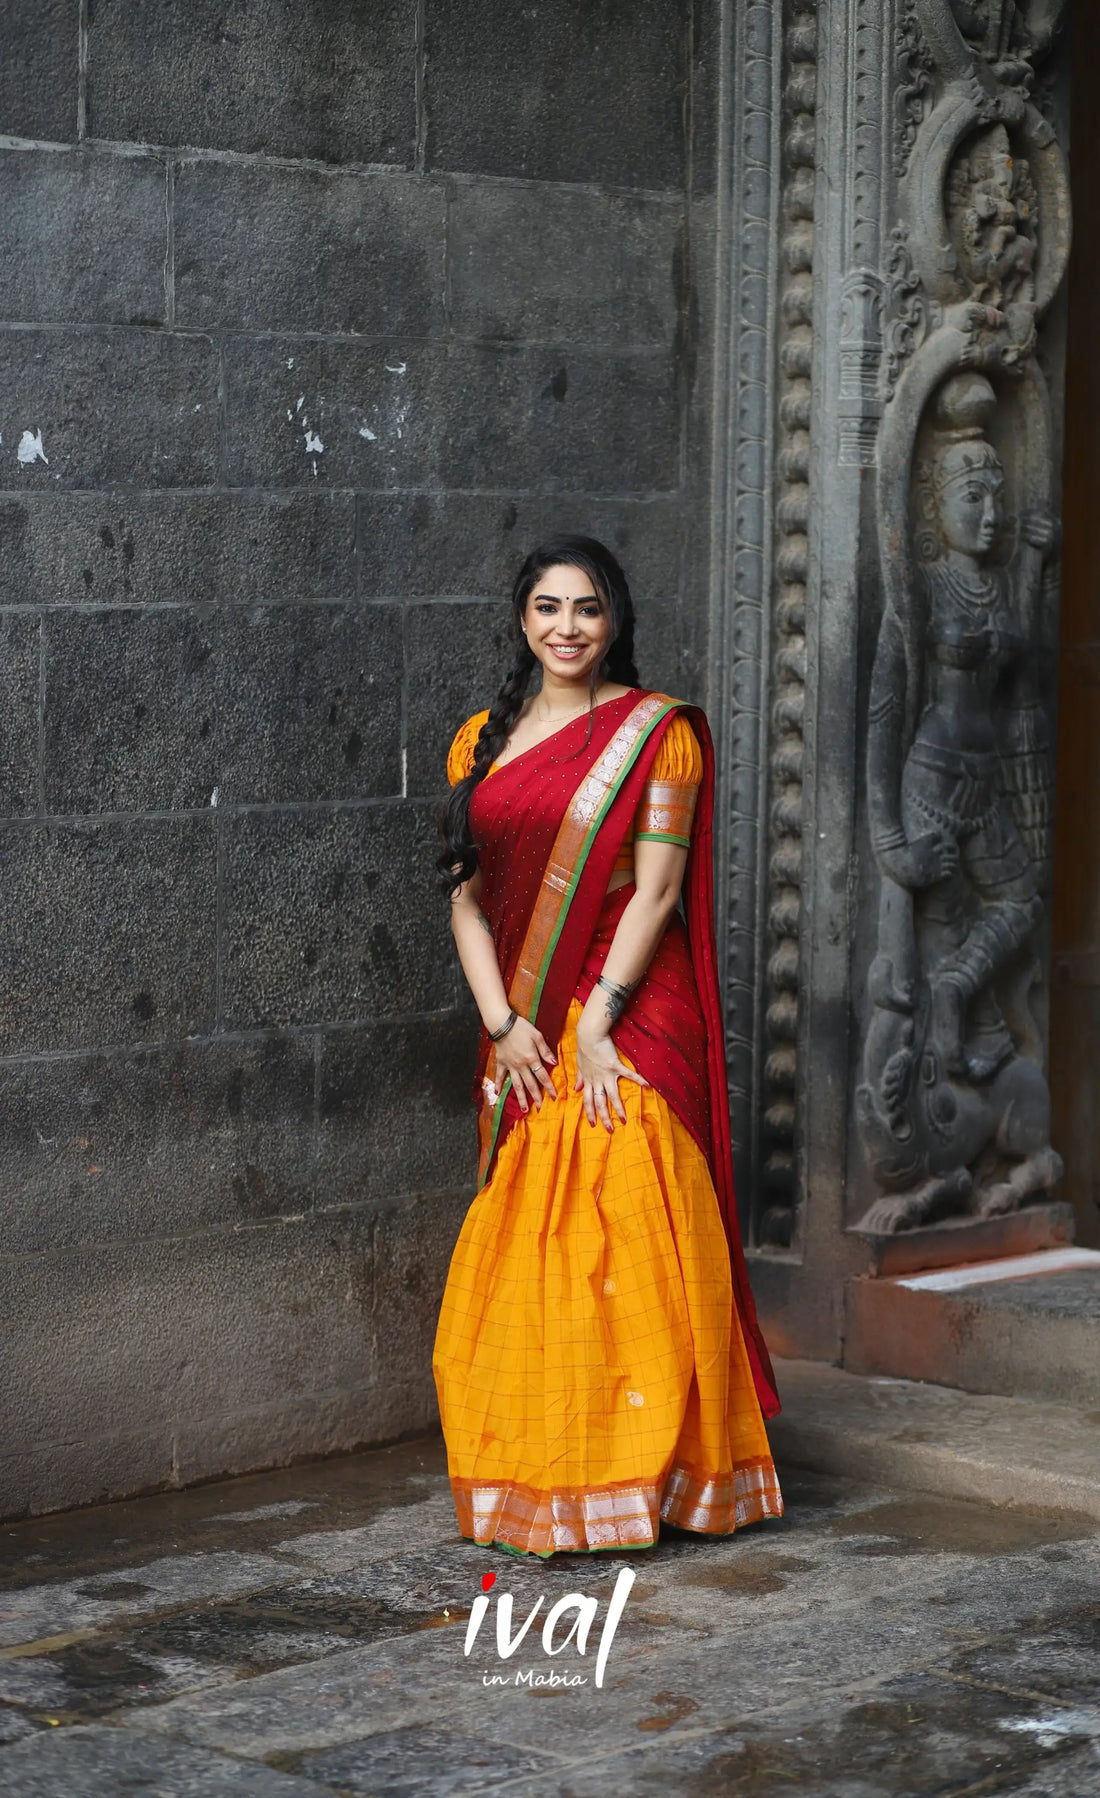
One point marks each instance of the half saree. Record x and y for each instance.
(598, 1362)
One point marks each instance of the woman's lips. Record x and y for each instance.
(568, 653)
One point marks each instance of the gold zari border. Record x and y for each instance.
(625, 1515)
(666, 810)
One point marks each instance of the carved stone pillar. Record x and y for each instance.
(888, 1036)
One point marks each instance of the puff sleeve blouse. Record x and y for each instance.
(667, 805)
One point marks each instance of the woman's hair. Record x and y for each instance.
(458, 860)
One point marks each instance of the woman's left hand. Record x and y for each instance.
(599, 1071)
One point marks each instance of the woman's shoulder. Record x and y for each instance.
(679, 758)
(460, 756)
(682, 706)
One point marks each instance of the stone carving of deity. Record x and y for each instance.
(992, 212)
(954, 1108)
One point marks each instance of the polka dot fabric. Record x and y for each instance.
(677, 765)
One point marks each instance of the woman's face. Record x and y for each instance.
(970, 511)
(566, 625)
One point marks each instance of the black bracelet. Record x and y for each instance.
(495, 1035)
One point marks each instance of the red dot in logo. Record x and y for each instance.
(488, 1581)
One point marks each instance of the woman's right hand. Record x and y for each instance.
(523, 1053)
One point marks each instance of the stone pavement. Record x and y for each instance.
(298, 1634)
(904, 1433)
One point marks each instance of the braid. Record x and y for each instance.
(458, 859)
(504, 711)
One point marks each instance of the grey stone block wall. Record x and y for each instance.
(314, 317)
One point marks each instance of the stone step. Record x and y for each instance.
(1027, 1326)
(907, 1435)
(1046, 1225)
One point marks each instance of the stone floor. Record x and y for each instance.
(301, 1633)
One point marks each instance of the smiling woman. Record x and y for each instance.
(598, 1362)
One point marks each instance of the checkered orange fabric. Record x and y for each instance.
(591, 1372)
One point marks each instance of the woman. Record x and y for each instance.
(595, 1373)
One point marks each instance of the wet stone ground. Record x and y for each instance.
(301, 1633)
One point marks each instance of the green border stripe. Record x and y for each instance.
(498, 1118)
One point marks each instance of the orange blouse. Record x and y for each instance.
(667, 804)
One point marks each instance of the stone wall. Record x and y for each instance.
(316, 315)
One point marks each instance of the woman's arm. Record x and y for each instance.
(523, 1050)
(658, 877)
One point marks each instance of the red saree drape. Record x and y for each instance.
(549, 826)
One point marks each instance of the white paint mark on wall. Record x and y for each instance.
(290, 361)
(215, 796)
(396, 368)
(30, 448)
(365, 431)
(314, 444)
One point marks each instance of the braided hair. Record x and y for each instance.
(458, 859)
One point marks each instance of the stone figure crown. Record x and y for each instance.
(963, 409)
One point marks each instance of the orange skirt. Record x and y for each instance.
(590, 1367)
